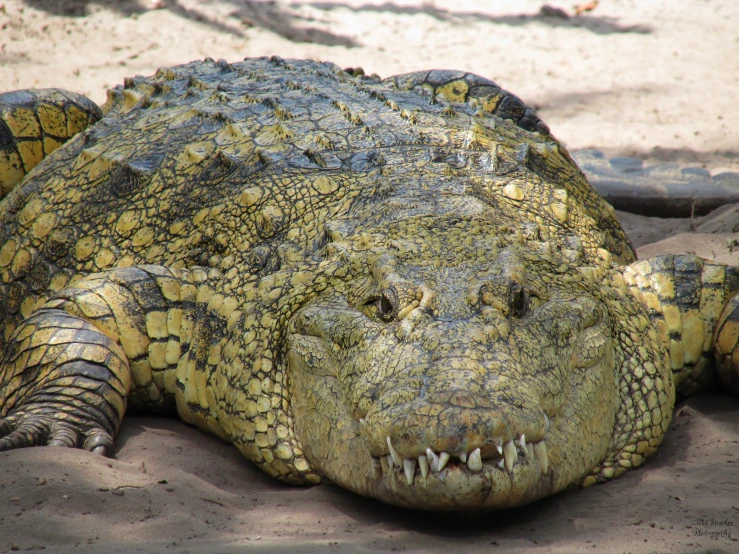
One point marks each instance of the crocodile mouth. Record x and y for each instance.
(457, 432)
(509, 454)
(516, 475)
(471, 474)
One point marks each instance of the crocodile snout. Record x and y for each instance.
(450, 418)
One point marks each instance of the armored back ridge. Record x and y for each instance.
(405, 286)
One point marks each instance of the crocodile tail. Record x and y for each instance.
(691, 303)
(726, 346)
(34, 123)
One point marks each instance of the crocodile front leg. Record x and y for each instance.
(63, 383)
(115, 337)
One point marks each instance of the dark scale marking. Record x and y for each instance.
(145, 291)
(510, 108)
(195, 83)
(6, 137)
(366, 161)
(315, 156)
(39, 276)
(223, 65)
(127, 179)
(277, 61)
(218, 167)
(687, 281)
(59, 243)
(132, 82)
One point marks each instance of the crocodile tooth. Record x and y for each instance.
(530, 449)
(475, 461)
(443, 459)
(501, 463)
(376, 467)
(540, 451)
(463, 457)
(396, 458)
(522, 441)
(423, 463)
(390, 462)
(433, 460)
(409, 467)
(509, 451)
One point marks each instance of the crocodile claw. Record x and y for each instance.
(23, 429)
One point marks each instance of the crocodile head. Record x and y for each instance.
(446, 374)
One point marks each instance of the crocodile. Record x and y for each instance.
(404, 286)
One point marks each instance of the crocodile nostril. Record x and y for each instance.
(518, 300)
(386, 304)
(385, 307)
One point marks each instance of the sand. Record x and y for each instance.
(658, 80)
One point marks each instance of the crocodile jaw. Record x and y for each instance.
(342, 447)
(457, 487)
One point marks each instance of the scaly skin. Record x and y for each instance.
(404, 286)
(34, 123)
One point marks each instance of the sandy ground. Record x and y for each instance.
(655, 79)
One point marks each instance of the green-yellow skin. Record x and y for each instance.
(346, 278)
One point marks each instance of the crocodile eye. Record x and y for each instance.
(519, 300)
(386, 304)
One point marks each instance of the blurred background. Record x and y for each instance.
(654, 79)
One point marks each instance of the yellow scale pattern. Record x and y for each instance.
(35, 123)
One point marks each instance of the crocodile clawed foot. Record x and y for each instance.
(100, 443)
(26, 428)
